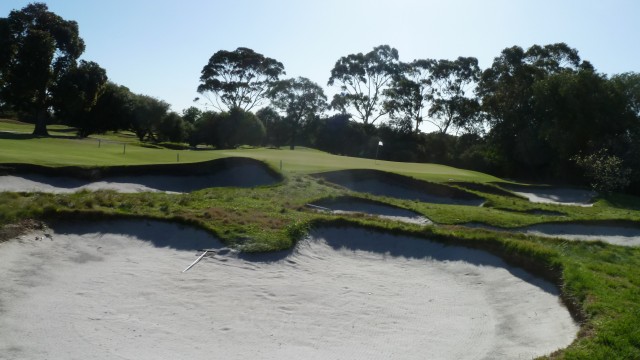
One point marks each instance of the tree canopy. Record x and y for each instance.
(238, 79)
(77, 92)
(298, 98)
(362, 79)
(38, 47)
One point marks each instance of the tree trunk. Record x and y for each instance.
(293, 138)
(41, 124)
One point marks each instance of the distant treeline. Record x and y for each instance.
(540, 113)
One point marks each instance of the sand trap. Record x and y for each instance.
(115, 290)
(612, 234)
(397, 186)
(245, 175)
(350, 205)
(553, 195)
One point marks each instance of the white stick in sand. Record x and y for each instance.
(198, 259)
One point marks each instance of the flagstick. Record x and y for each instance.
(378, 148)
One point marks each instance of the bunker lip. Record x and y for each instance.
(352, 205)
(485, 188)
(388, 184)
(357, 293)
(553, 194)
(177, 178)
(616, 232)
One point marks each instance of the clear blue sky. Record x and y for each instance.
(158, 48)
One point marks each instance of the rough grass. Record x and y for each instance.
(600, 283)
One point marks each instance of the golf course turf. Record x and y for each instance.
(599, 283)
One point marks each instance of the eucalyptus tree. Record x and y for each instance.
(409, 94)
(238, 79)
(362, 79)
(451, 83)
(37, 48)
(298, 99)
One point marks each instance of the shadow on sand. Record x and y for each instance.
(187, 238)
(230, 172)
(382, 183)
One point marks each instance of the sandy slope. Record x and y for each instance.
(246, 175)
(617, 235)
(612, 234)
(554, 195)
(356, 206)
(116, 290)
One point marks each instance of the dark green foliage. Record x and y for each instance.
(299, 99)
(245, 129)
(147, 112)
(238, 79)
(38, 47)
(362, 79)
(113, 111)
(76, 94)
(228, 129)
(606, 172)
(275, 126)
(171, 128)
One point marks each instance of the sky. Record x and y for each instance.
(158, 48)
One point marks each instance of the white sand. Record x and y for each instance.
(354, 206)
(86, 293)
(617, 235)
(553, 195)
(246, 175)
(612, 234)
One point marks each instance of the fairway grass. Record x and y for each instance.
(62, 151)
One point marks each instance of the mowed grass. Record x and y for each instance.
(124, 149)
(601, 280)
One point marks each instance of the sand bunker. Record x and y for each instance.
(624, 235)
(554, 195)
(402, 187)
(243, 175)
(116, 290)
(351, 205)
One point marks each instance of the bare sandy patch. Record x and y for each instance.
(555, 195)
(352, 205)
(116, 290)
(383, 183)
(245, 175)
(624, 235)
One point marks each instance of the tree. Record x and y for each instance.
(506, 90)
(191, 114)
(409, 94)
(450, 82)
(238, 79)
(362, 79)
(147, 112)
(113, 110)
(299, 99)
(76, 93)
(606, 172)
(275, 126)
(171, 128)
(629, 84)
(37, 48)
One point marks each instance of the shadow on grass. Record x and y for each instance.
(5, 135)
